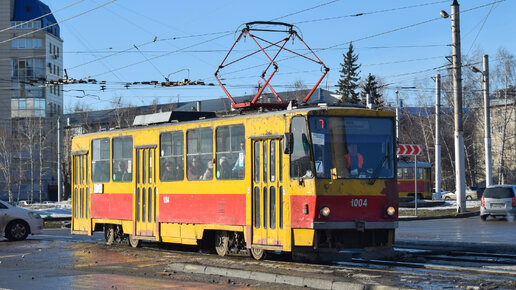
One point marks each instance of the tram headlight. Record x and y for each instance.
(391, 211)
(325, 211)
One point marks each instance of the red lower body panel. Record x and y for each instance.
(226, 209)
(343, 209)
(112, 206)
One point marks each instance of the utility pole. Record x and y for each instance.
(487, 121)
(397, 117)
(437, 139)
(58, 159)
(460, 176)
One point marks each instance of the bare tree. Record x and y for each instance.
(6, 160)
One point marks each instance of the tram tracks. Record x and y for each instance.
(448, 261)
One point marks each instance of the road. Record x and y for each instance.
(466, 231)
(58, 260)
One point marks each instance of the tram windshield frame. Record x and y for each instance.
(353, 147)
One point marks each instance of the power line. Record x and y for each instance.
(369, 13)
(304, 10)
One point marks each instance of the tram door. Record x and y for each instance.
(81, 193)
(267, 192)
(145, 194)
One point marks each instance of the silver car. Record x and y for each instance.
(498, 201)
(17, 223)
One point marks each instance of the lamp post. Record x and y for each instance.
(398, 112)
(487, 118)
(460, 176)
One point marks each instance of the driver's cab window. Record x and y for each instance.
(300, 161)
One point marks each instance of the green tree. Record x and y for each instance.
(349, 78)
(371, 87)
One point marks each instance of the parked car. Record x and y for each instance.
(470, 195)
(498, 201)
(438, 195)
(17, 223)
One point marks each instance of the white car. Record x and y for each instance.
(17, 223)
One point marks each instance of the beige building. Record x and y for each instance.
(32, 55)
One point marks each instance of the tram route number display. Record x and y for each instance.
(358, 202)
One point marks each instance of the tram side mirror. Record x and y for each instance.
(287, 143)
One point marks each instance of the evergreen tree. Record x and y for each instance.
(349, 78)
(371, 86)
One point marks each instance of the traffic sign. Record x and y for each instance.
(409, 149)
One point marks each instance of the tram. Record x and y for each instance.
(406, 179)
(284, 180)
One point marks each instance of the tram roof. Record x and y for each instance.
(182, 117)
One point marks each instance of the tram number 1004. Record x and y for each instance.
(359, 202)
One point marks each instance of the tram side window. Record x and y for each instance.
(408, 173)
(400, 173)
(300, 162)
(230, 152)
(420, 173)
(100, 160)
(171, 162)
(122, 159)
(199, 146)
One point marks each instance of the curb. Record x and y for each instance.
(272, 278)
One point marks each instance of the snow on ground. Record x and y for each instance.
(452, 204)
(52, 209)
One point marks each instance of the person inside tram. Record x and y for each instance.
(194, 170)
(223, 170)
(355, 160)
(120, 172)
(169, 172)
(208, 174)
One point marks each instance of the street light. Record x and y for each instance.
(398, 112)
(460, 176)
(487, 118)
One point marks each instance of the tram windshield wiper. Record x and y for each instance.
(376, 171)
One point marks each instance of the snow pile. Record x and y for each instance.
(52, 209)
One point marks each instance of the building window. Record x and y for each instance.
(26, 43)
(22, 105)
(23, 69)
(29, 25)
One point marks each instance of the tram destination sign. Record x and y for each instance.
(409, 149)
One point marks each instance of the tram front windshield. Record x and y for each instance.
(358, 148)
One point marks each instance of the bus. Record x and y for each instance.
(246, 183)
(406, 184)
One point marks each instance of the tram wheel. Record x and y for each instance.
(222, 243)
(135, 243)
(258, 254)
(109, 234)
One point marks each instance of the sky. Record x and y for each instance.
(402, 42)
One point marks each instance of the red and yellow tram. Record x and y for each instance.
(278, 181)
(406, 179)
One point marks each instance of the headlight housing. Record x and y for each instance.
(325, 211)
(391, 211)
(34, 215)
